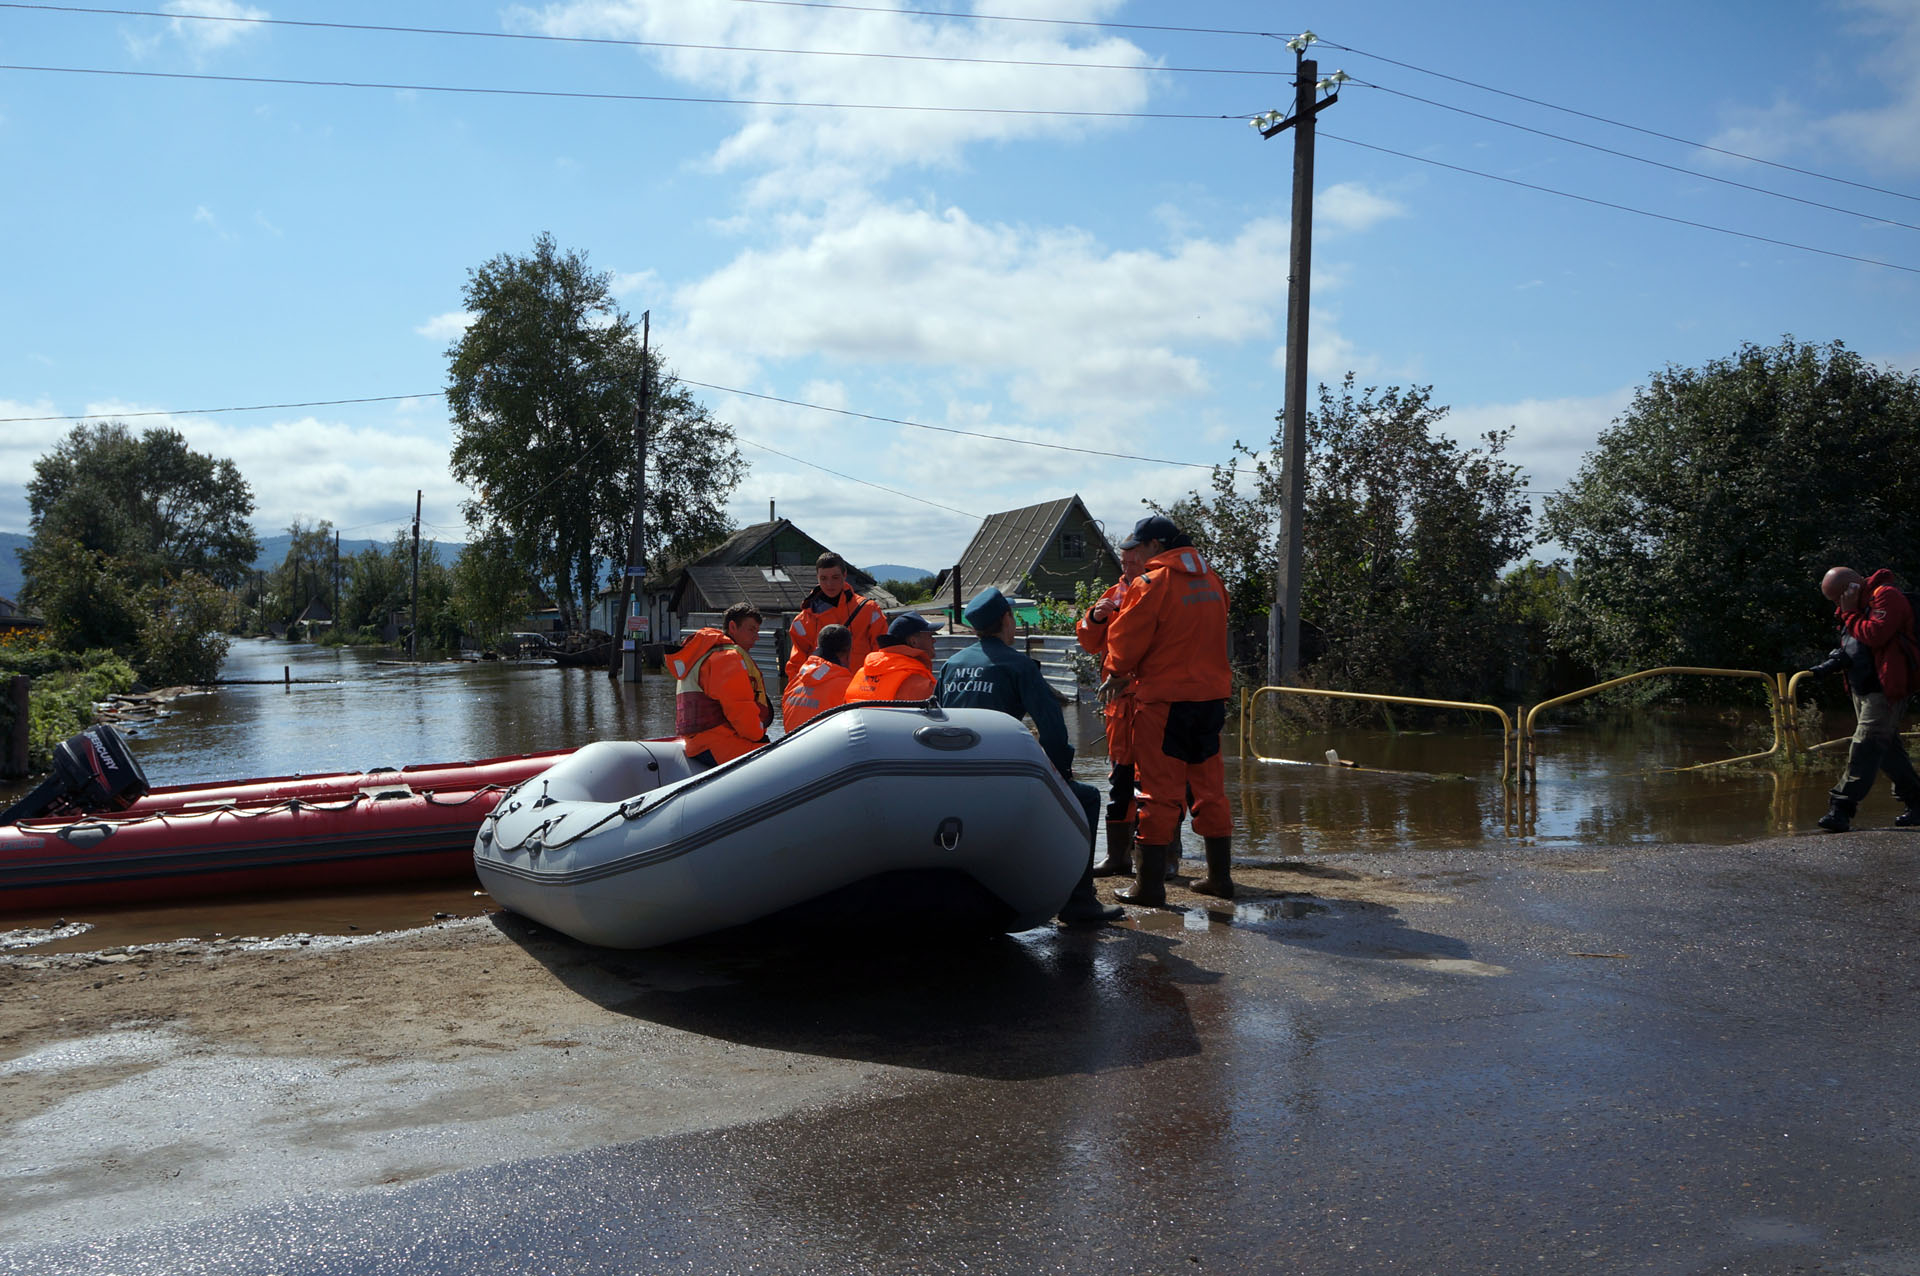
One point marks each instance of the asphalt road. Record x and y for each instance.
(1647, 1059)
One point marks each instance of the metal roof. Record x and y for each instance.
(1004, 552)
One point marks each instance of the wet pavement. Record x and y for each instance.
(1639, 1058)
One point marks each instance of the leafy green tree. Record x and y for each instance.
(1406, 533)
(490, 594)
(150, 502)
(88, 597)
(305, 573)
(181, 634)
(1701, 523)
(544, 386)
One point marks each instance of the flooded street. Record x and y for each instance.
(350, 709)
(1630, 1022)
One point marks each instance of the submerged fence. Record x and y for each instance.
(1519, 745)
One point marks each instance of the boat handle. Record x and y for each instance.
(947, 836)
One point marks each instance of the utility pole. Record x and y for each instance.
(1283, 625)
(636, 560)
(413, 634)
(336, 582)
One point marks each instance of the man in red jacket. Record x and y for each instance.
(1168, 645)
(1874, 612)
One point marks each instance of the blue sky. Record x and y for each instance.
(1114, 281)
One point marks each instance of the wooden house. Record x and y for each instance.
(767, 564)
(1040, 552)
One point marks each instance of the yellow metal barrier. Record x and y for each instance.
(1529, 755)
(1508, 735)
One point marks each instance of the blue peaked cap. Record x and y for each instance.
(986, 608)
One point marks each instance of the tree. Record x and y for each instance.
(150, 502)
(1406, 533)
(306, 573)
(490, 594)
(1702, 521)
(543, 387)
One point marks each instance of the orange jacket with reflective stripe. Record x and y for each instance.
(893, 673)
(861, 615)
(1091, 633)
(819, 686)
(1171, 637)
(720, 702)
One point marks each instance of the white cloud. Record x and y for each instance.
(1550, 436)
(1350, 206)
(202, 27)
(1885, 135)
(303, 468)
(1081, 331)
(447, 327)
(813, 153)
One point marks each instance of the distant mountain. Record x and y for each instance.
(10, 563)
(273, 552)
(273, 549)
(894, 571)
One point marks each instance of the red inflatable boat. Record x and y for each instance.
(297, 832)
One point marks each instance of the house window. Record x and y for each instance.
(1073, 545)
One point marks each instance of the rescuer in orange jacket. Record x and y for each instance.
(903, 667)
(1168, 645)
(720, 704)
(832, 603)
(822, 681)
(1119, 710)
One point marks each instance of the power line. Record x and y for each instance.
(257, 407)
(613, 97)
(1638, 159)
(943, 429)
(850, 478)
(616, 41)
(1624, 208)
(1602, 119)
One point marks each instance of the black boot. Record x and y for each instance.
(1839, 816)
(1219, 879)
(1083, 907)
(1907, 819)
(1119, 861)
(1150, 885)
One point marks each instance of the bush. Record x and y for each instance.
(66, 686)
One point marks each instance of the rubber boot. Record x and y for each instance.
(1083, 907)
(1219, 879)
(1119, 860)
(1150, 885)
(1174, 848)
(1839, 816)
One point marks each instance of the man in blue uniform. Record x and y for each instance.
(992, 675)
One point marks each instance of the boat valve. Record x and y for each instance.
(947, 836)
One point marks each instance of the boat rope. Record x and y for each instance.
(252, 811)
(645, 803)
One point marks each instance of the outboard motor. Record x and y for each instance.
(93, 771)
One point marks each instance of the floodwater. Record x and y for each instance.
(350, 709)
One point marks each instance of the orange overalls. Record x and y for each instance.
(1119, 708)
(1170, 642)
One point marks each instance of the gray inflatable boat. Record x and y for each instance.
(889, 813)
